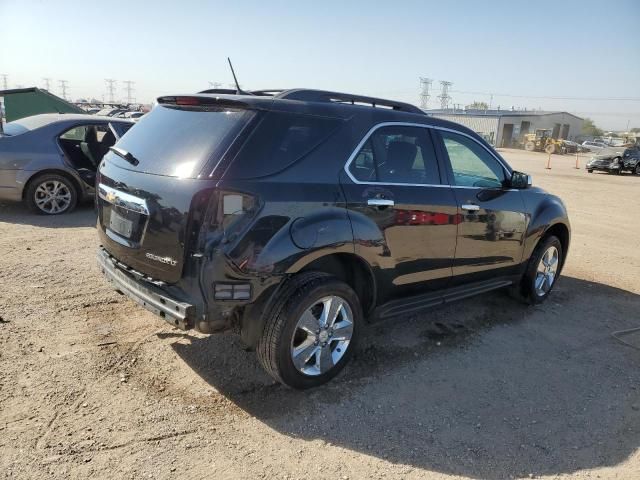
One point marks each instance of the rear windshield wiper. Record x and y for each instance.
(126, 155)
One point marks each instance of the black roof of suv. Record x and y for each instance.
(292, 216)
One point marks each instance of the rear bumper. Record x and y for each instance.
(179, 314)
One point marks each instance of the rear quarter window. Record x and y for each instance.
(280, 140)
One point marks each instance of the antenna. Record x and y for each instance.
(238, 89)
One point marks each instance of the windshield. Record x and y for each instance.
(178, 142)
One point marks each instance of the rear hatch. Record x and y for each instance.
(154, 188)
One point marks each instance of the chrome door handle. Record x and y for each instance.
(470, 207)
(380, 202)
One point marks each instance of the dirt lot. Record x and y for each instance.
(93, 386)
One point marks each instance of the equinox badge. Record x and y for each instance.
(166, 260)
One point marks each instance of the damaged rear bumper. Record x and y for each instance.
(179, 314)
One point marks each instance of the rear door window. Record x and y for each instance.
(280, 140)
(179, 142)
(397, 155)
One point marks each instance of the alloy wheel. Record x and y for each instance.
(547, 271)
(322, 335)
(52, 196)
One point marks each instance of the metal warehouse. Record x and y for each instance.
(506, 128)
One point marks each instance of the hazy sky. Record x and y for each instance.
(522, 52)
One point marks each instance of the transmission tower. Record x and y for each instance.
(129, 89)
(444, 95)
(111, 88)
(215, 84)
(5, 82)
(425, 85)
(63, 88)
(47, 84)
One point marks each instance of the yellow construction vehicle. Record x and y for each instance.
(542, 141)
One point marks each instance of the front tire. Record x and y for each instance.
(51, 194)
(637, 169)
(542, 271)
(311, 330)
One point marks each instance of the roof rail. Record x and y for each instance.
(337, 97)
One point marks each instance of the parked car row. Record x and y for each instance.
(616, 160)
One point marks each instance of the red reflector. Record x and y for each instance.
(187, 101)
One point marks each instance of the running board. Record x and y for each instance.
(417, 303)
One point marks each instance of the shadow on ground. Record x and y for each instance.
(485, 388)
(83, 216)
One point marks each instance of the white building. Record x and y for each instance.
(504, 128)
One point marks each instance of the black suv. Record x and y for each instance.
(294, 217)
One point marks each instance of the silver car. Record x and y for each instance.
(49, 161)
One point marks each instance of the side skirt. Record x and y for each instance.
(418, 303)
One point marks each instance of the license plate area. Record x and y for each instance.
(120, 225)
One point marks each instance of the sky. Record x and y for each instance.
(576, 56)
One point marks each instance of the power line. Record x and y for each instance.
(111, 88)
(129, 89)
(63, 87)
(550, 97)
(444, 95)
(425, 84)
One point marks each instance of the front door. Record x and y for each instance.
(404, 218)
(491, 233)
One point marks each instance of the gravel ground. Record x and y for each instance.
(93, 386)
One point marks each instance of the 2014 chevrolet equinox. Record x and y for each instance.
(292, 217)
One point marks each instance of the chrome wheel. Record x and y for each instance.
(322, 335)
(52, 196)
(547, 270)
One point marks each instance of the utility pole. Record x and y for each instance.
(129, 89)
(63, 87)
(5, 82)
(444, 95)
(111, 88)
(425, 84)
(214, 84)
(47, 84)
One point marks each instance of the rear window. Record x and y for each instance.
(280, 140)
(179, 142)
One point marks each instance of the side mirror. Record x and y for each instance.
(520, 180)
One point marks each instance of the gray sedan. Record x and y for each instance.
(49, 161)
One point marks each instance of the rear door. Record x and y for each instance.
(404, 218)
(493, 218)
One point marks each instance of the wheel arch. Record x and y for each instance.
(351, 269)
(54, 171)
(562, 232)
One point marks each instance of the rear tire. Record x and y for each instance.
(589, 171)
(295, 347)
(551, 148)
(542, 272)
(51, 194)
